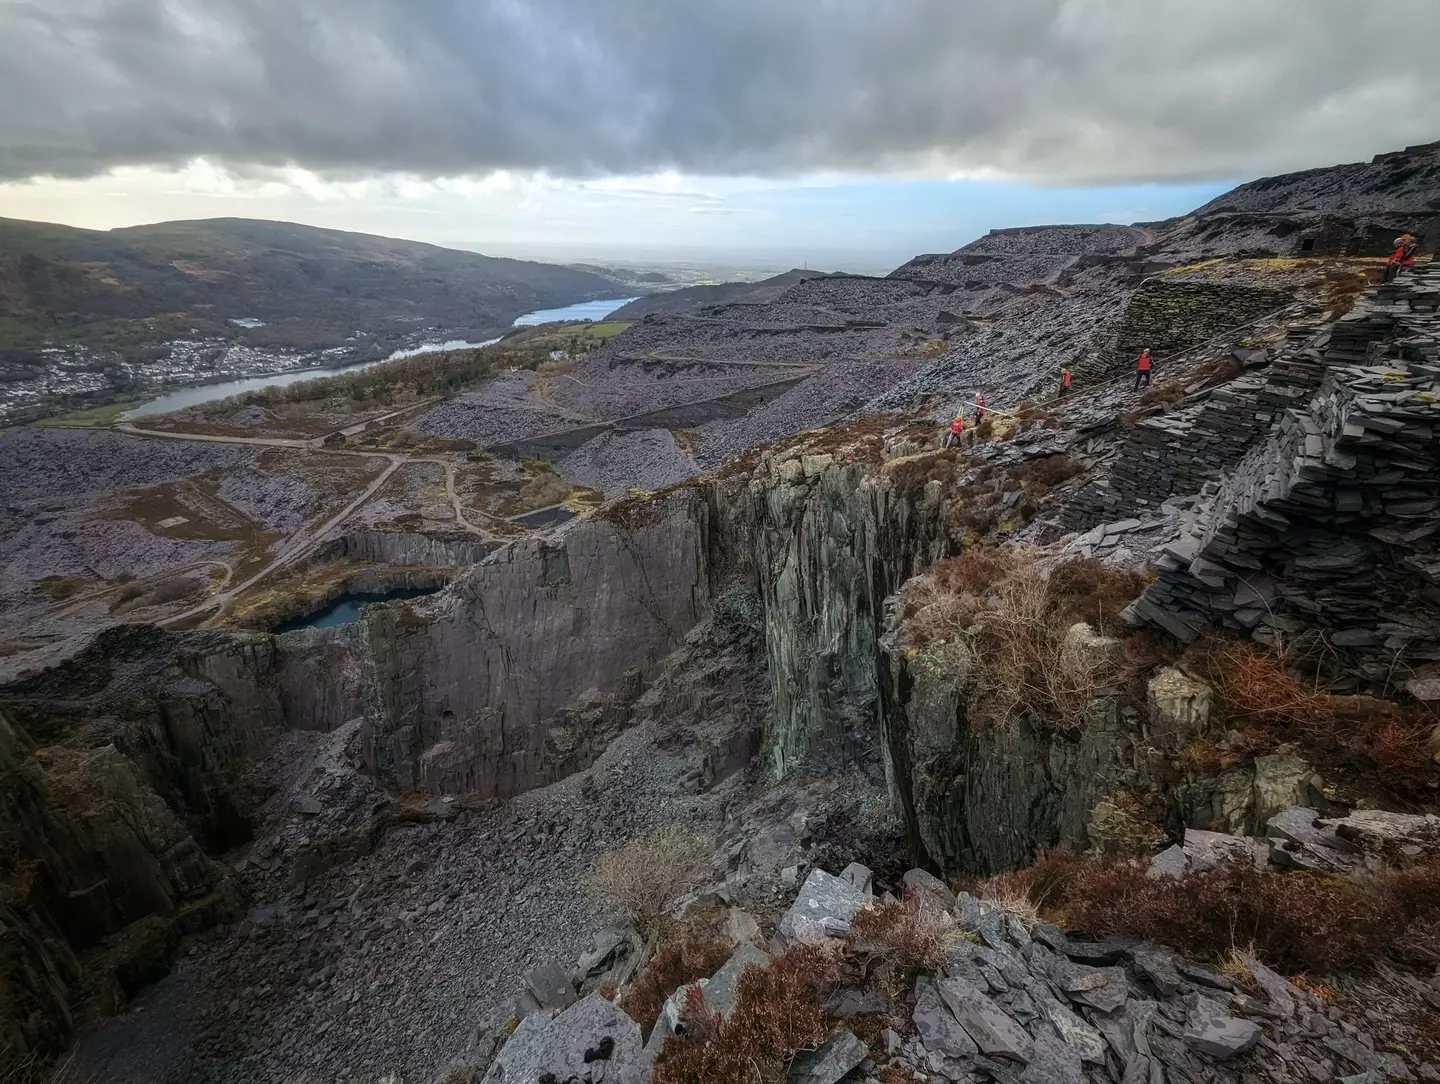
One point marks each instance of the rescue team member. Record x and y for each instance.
(1064, 381)
(1403, 257)
(957, 431)
(1142, 370)
(979, 407)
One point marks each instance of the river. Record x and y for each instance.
(195, 394)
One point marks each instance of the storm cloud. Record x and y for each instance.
(1055, 91)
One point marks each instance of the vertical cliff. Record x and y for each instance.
(523, 670)
(831, 541)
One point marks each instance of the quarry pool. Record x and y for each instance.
(545, 517)
(346, 609)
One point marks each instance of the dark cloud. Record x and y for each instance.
(1054, 90)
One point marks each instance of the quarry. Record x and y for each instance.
(703, 718)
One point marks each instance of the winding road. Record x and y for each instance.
(304, 541)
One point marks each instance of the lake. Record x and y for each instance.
(346, 609)
(586, 310)
(194, 395)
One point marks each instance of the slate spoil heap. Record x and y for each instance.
(1329, 527)
(1014, 1002)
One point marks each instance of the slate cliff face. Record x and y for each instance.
(522, 671)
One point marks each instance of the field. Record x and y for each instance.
(92, 418)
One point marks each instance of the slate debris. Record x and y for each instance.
(1328, 523)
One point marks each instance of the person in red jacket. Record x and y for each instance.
(957, 431)
(1064, 381)
(979, 407)
(1403, 257)
(1142, 369)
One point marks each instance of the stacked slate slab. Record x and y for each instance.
(1178, 453)
(1331, 525)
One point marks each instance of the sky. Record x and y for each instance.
(833, 132)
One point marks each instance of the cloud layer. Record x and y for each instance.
(1056, 91)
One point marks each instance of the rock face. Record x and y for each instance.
(525, 669)
(831, 542)
(988, 800)
(120, 772)
(87, 849)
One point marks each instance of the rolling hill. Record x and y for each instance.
(311, 288)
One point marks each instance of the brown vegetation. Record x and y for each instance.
(779, 1010)
(1295, 921)
(914, 932)
(1261, 697)
(1017, 619)
(682, 957)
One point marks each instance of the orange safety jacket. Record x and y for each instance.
(1404, 256)
(1143, 365)
(1064, 378)
(958, 425)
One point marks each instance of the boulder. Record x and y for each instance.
(824, 908)
(939, 1031)
(1179, 709)
(1282, 995)
(1088, 1043)
(741, 927)
(569, 1045)
(929, 889)
(859, 876)
(550, 987)
(830, 1062)
(1390, 835)
(993, 1030)
(1210, 1030)
(1206, 850)
(720, 992)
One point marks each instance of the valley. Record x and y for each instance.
(710, 564)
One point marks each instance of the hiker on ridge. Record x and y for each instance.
(957, 430)
(979, 407)
(1403, 257)
(1064, 382)
(1142, 369)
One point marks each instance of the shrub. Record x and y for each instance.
(60, 588)
(1259, 694)
(1017, 619)
(646, 875)
(779, 1010)
(914, 932)
(131, 592)
(1296, 921)
(175, 589)
(1092, 591)
(1042, 475)
(680, 959)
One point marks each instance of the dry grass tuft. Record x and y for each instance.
(681, 958)
(646, 875)
(1018, 621)
(914, 932)
(779, 1010)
